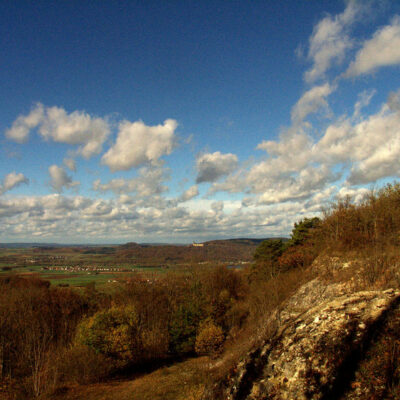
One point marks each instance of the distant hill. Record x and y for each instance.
(17, 245)
(226, 250)
(28, 245)
(244, 241)
(230, 251)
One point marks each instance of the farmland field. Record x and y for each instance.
(68, 267)
(81, 265)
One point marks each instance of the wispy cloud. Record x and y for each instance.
(331, 40)
(382, 50)
(70, 164)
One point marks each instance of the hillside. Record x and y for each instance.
(216, 251)
(230, 251)
(313, 317)
(331, 340)
(335, 336)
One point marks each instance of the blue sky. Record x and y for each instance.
(185, 120)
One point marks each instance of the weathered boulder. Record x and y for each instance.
(320, 346)
(323, 331)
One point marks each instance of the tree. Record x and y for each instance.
(183, 328)
(266, 259)
(112, 333)
(269, 250)
(221, 289)
(209, 339)
(300, 250)
(302, 230)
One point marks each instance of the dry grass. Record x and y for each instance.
(365, 269)
(181, 381)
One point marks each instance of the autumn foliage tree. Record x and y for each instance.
(36, 319)
(374, 222)
(113, 333)
(209, 339)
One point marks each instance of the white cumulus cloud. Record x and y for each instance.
(149, 182)
(371, 146)
(212, 166)
(189, 194)
(356, 195)
(76, 128)
(19, 131)
(59, 179)
(359, 149)
(309, 181)
(139, 144)
(12, 180)
(54, 123)
(310, 102)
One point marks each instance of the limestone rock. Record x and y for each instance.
(323, 330)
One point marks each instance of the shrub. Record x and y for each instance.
(112, 333)
(220, 290)
(209, 339)
(183, 328)
(297, 256)
(81, 364)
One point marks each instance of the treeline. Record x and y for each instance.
(373, 222)
(51, 336)
(371, 226)
(169, 254)
(275, 256)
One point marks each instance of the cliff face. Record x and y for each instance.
(324, 331)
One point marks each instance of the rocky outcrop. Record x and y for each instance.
(324, 330)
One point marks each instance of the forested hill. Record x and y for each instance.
(229, 250)
(214, 252)
(239, 241)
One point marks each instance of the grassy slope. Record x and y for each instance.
(181, 381)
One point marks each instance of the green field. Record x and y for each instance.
(77, 278)
(80, 265)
